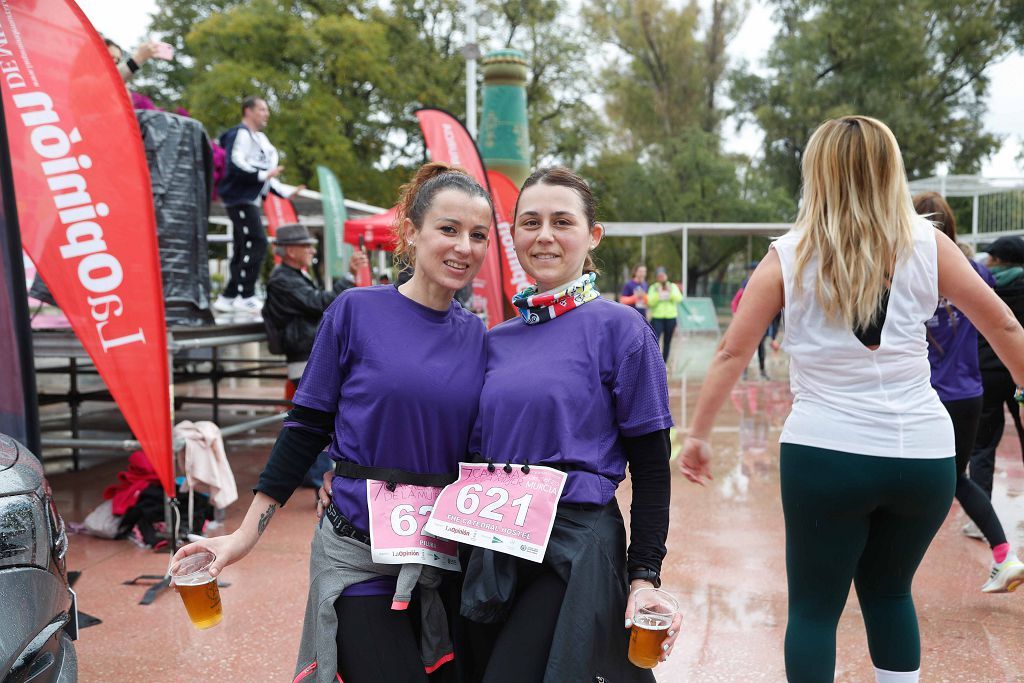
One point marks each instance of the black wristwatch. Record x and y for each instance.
(645, 574)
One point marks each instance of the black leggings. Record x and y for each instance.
(664, 327)
(973, 500)
(998, 387)
(516, 651)
(249, 248)
(377, 643)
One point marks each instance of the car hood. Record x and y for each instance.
(20, 471)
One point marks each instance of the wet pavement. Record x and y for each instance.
(726, 565)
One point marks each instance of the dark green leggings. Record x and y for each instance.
(864, 519)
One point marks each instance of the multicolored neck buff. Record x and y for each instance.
(539, 308)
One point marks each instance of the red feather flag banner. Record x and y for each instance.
(85, 206)
(279, 211)
(504, 194)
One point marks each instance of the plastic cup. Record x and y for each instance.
(198, 590)
(653, 612)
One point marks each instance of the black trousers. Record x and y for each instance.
(998, 387)
(378, 644)
(664, 327)
(516, 651)
(250, 246)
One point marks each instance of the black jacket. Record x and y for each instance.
(294, 306)
(1013, 294)
(588, 551)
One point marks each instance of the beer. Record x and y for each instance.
(198, 589)
(653, 612)
(645, 638)
(202, 602)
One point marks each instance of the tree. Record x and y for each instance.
(667, 163)
(564, 127)
(342, 78)
(918, 65)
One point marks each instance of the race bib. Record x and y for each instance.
(508, 512)
(397, 521)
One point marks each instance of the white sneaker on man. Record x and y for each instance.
(224, 304)
(249, 304)
(1006, 576)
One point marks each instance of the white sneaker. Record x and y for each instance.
(1006, 576)
(971, 530)
(224, 304)
(248, 305)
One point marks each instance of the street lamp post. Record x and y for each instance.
(472, 54)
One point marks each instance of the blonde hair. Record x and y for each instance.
(416, 197)
(856, 216)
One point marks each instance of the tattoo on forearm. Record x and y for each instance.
(265, 517)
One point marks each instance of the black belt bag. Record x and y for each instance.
(391, 476)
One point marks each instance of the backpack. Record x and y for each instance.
(224, 142)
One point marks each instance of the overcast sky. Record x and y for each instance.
(126, 22)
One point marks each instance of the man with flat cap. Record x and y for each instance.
(294, 303)
(1006, 263)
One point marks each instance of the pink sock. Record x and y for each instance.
(1000, 552)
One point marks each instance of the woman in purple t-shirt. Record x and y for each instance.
(634, 292)
(392, 387)
(956, 378)
(575, 383)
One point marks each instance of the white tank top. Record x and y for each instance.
(849, 398)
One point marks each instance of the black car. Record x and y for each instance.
(38, 615)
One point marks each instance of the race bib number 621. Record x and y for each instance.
(509, 512)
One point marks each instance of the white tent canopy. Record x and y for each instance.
(997, 208)
(643, 230)
(965, 185)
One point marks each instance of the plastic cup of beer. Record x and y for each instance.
(198, 589)
(653, 612)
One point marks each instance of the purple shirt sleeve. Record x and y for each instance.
(321, 381)
(641, 388)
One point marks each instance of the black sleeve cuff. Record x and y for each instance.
(651, 478)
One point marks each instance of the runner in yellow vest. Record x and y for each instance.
(663, 298)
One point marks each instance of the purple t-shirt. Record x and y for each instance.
(953, 349)
(404, 383)
(566, 391)
(631, 287)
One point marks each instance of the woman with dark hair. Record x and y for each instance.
(867, 466)
(575, 383)
(953, 354)
(634, 292)
(392, 386)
